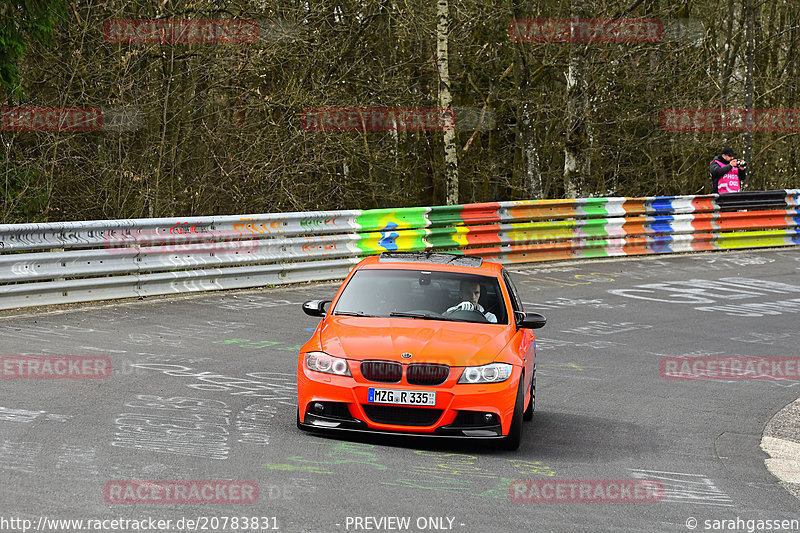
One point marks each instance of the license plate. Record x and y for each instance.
(402, 397)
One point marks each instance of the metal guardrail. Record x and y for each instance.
(752, 200)
(67, 262)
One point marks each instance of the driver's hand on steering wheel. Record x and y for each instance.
(463, 306)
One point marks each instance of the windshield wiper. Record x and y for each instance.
(417, 315)
(350, 313)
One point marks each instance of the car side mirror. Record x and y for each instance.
(315, 307)
(529, 320)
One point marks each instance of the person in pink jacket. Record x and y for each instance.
(727, 172)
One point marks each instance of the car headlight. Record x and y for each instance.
(327, 364)
(491, 373)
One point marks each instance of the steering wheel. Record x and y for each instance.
(467, 316)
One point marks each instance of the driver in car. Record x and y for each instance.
(470, 293)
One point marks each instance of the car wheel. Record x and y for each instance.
(298, 419)
(531, 406)
(514, 438)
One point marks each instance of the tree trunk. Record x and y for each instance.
(577, 160)
(450, 156)
(750, 46)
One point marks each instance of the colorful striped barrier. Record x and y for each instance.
(42, 264)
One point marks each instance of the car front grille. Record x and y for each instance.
(402, 416)
(427, 374)
(382, 371)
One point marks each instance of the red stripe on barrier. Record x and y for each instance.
(483, 235)
(634, 206)
(705, 222)
(481, 213)
(703, 242)
(754, 220)
(704, 204)
(544, 209)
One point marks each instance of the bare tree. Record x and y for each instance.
(221, 129)
(445, 103)
(577, 159)
(749, 11)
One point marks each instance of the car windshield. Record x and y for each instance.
(422, 294)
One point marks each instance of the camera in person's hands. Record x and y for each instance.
(742, 164)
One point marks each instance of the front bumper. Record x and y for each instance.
(323, 424)
(455, 401)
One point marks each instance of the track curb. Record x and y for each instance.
(781, 441)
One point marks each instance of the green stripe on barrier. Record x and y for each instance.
(594, 207)
(447, 237)
(593, 249)
(376, 242)
(595, 227)
(393, 219)
(444, 215)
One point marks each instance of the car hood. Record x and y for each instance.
(450, 343)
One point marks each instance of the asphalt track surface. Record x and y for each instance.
(227, 361)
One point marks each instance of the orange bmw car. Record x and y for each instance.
(421, 343)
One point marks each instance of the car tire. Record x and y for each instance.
(299, 426)
(512, 441)
(528, 416)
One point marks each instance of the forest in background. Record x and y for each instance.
(218, 130)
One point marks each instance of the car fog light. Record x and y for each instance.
(318, 408)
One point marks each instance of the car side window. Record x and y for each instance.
(516, 303)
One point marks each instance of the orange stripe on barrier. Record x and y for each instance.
(634, 226)
(544, 209)
(481, 213)
(704, 242)
(704, 204)
(483, 235)
(754, 220)
(705, 222)
(634, 206)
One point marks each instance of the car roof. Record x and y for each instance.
(439, 261)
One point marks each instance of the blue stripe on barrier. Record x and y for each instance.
(387, 240)
(662, 203)
(662, 244)
(662, 224)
